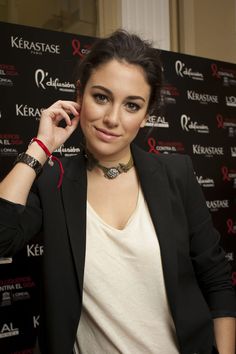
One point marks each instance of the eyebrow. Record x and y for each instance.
(110, 93)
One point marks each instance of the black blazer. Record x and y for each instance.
(196, 273)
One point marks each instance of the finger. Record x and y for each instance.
(71, 109)
(59, 114)
(69, 106)
(74, 123)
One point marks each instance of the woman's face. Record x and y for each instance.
(113, 108)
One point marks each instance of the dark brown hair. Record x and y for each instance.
(124, 46)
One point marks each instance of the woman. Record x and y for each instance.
(152, 278)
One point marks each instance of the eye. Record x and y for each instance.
(100, 98)
(133, 107)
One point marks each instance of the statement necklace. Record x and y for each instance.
(108, 172)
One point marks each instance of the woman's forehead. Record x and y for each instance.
(122, 75)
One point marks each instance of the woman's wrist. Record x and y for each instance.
(48, 154)
(49, 144)
(37, 152)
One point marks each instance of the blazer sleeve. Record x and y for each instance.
(18, 224)
(210, 264)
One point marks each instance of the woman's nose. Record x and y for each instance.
(111, 117)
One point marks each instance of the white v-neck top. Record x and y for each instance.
(125, 308)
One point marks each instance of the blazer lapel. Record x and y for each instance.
(154, 183)
(74, 196)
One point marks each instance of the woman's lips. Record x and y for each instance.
(106, 134)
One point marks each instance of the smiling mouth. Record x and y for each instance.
(107, 132)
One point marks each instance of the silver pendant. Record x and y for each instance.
(111, 173)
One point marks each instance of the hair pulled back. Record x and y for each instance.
(124, 46)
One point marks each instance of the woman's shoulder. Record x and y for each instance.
(177, 166)
(175, 161)
(172, 158)
(172, 161)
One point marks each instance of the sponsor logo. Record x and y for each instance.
(68, 151)
(216, 72)
(8, 298)
(228, 75)
(215, 205)
(231, 226)
(36, 321)
(44, 81)
(226, 123)
(77, 50)
(229, 256)
(228, 174)
(230, 101)
(8, 70)
(205, 181)
(7, 73)
(23, 295)
(182, 71)
(6, 144)
(165, 147)
(34, 47)
(188, 125)
(10, 284)
(10, 139)
(16, 284)
(23, 110)
(229, 82)
(207, 150)
(157, 122)
(34, 250)
(8, 330)
(203, 98)
(169, 93)
(8, 152)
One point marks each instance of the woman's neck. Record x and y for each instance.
(109, 166)
(108, 160)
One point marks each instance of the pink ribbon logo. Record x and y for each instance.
(225, 173)
(220, 121)
(230, 225)
(214, 70)
(76, 47)
(152, 145)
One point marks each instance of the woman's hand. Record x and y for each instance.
(49, 131)
(16, 185)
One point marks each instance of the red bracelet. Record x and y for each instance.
(51, 159)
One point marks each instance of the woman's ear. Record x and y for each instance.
(144, 121)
